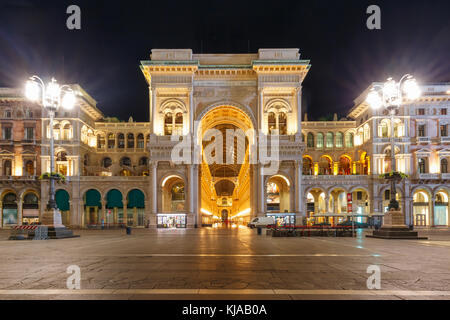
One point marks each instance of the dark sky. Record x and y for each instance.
(104, 56)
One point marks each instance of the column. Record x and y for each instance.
(261, 109)
(19, 212)
(299, 110)
(194, 215)
(125, 213)
(191, 111)
(261, 193)
(431, 205)
(154, 187)
(299, 213)
(153, 108)
(254, 189)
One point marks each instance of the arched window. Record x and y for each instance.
(125, 161)
(168, 118)
(100, 141)
(130, 141)
(106, 162)
(339, 140)
(303, 137)
(282, 123)
(349, 140)
(310, 140)
(330, 141)
(84, 136)
(67, 132)
(272, 122)
(111, 141)
(61, 163)
(61, 156)
(86, 159)
(444, 165)
(325, 166)
(383, 129)
(56, 131)
(422, 166)
(307, 166)
(143, 161)
(344, 166)
(366, 132)
(29, 168)
(120, 141)
(140, 141)
(319, 142)
(398, 129)
(178, 124)
(7, 168)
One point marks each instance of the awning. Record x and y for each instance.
(62, 200)
(136, 199)
(93, 198)
(114, 199)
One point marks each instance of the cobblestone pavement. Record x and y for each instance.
(223, 264)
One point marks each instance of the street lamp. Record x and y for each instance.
(390, 96)
(51, 97)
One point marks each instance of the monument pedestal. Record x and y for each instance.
(56, 230)
(395, 228)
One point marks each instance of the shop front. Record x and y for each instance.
(30, 210)
(171, 221)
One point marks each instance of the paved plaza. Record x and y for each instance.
(223, 264)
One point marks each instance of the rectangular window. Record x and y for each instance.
(359, 195)
(443, 111)
(29, 114)
(421, 112)
(421, 130)
(29, 133)
(7, 133)
(444, 130)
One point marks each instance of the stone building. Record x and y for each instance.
(159, 174)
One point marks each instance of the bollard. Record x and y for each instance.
(128, 230)
(259, 231)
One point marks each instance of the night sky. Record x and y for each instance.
(104, 56)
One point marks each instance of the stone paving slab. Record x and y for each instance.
(223, 259)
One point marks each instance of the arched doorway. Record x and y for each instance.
(135, 208)
(9, 210)
(441, 209)
(173, 203)
(278, 200)
(226, 152)
(62, 202)
(92, 206)
(114, 207)
(421, 208)
(30, 208)
(315, 206)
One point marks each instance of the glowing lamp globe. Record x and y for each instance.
(374, 100)
(32, 90)
(68, 100)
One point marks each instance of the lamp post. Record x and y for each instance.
(390, 96)
(51, 97)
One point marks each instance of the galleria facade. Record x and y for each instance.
(124, 172)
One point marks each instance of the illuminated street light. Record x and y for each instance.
(390, 96)
(51, 97)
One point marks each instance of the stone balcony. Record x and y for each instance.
(445, 139)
